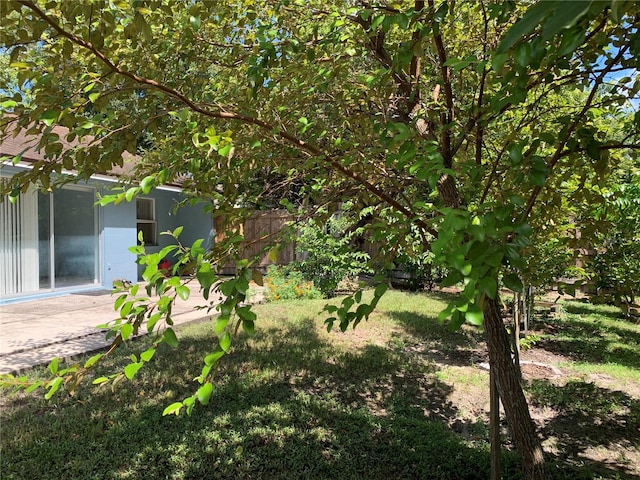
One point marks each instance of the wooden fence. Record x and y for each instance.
(259, 231)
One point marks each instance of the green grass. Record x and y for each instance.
(292, 402)
(598, 340)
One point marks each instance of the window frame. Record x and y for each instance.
(142, 222)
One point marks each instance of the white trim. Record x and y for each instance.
(97, 176)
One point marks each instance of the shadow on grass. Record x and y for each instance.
(433, 337)
(287, 405)
(589, 417)
(588, 334)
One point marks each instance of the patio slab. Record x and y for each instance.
(35, 331)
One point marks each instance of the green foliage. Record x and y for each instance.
(529, 341)
(287, 283)
(329, 256)
(421, 270)
(615, 267)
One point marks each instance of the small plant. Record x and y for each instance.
(283, 283)
(529, 341)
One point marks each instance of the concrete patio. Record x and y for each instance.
(35, 331)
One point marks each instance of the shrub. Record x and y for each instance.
(421, 270)
(328, 254)
(283, 283)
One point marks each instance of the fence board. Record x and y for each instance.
(259, 231)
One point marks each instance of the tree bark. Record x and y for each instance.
(494, 423)
(514, 402)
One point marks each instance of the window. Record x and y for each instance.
(146, 221)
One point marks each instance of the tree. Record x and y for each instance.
(429, 113)
(615, 267)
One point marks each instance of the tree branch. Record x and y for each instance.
(282, 133)
(559, 153)
(445, 72)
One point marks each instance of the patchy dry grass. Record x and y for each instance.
(399, 397)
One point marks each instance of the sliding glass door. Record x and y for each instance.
(49, 241)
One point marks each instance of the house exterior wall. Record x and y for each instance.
(195, 221)
(117, 234)
(117, 231)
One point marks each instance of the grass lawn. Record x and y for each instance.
(399, 397)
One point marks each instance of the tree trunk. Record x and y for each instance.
(494, 423)
(513, 400)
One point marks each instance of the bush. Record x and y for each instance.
(284, 283)
(421, 272)
(329, 256)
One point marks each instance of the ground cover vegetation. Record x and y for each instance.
(401, 396)
(476, 127)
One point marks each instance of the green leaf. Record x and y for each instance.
(466, 269)
(143, 27)
(616, 11)
(358, 296)
(380, 290)
(221, 324)
(148, 354)
(225, 342)
(33, 387)
(474, 315)
(126, 331)
(571, 39)
(522, 54)
(53, 366)
(206, 278)
(498, 60)
(49, 117)
(593, 149)
(195, 22)
(169, 336)
(249, 326)
(457, 319)
(512, 282)
(452, 279)
(204, 393)
(100, 380)
(53, 387)
(537, 178)
(174, 409)
(212, 358)
(530, 20)
(183, 292)
(126, 308)
(245, 313)
(489, 286)
(153, 320)
(92, 361)
(565, 15)
(131, 369)
(147, 184)
(130, 193)
(225, 151)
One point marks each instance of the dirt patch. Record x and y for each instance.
(541, 355)
(584, 418)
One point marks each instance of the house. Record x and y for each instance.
(64, 242)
